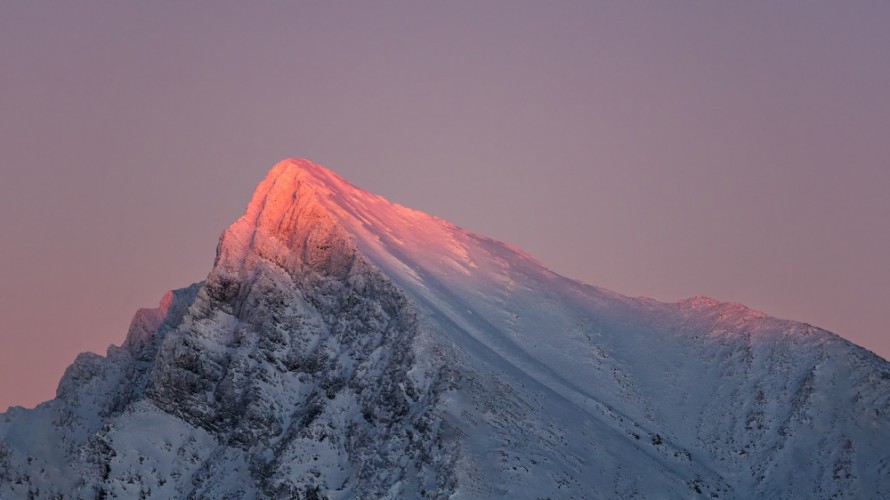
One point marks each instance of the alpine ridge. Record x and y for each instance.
(343, 346)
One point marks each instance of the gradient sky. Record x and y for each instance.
(667, 149)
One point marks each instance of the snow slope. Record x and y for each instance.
(344, 346)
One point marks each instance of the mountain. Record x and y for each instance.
(343, 346)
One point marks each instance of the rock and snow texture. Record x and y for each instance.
(346, 347)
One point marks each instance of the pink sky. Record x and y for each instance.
(664, 149)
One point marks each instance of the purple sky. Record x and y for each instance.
(665, 149)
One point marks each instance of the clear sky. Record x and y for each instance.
(739, 150)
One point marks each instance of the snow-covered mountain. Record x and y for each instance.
(347, 347)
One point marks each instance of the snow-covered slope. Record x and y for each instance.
(343, 346)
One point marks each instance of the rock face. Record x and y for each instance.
(346, 347)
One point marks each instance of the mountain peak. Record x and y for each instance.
(344, 346)
(293, 170)
(290, 219)
(293, 178)
(297, 181)
(301, 211)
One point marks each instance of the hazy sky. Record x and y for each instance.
(737, 150)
